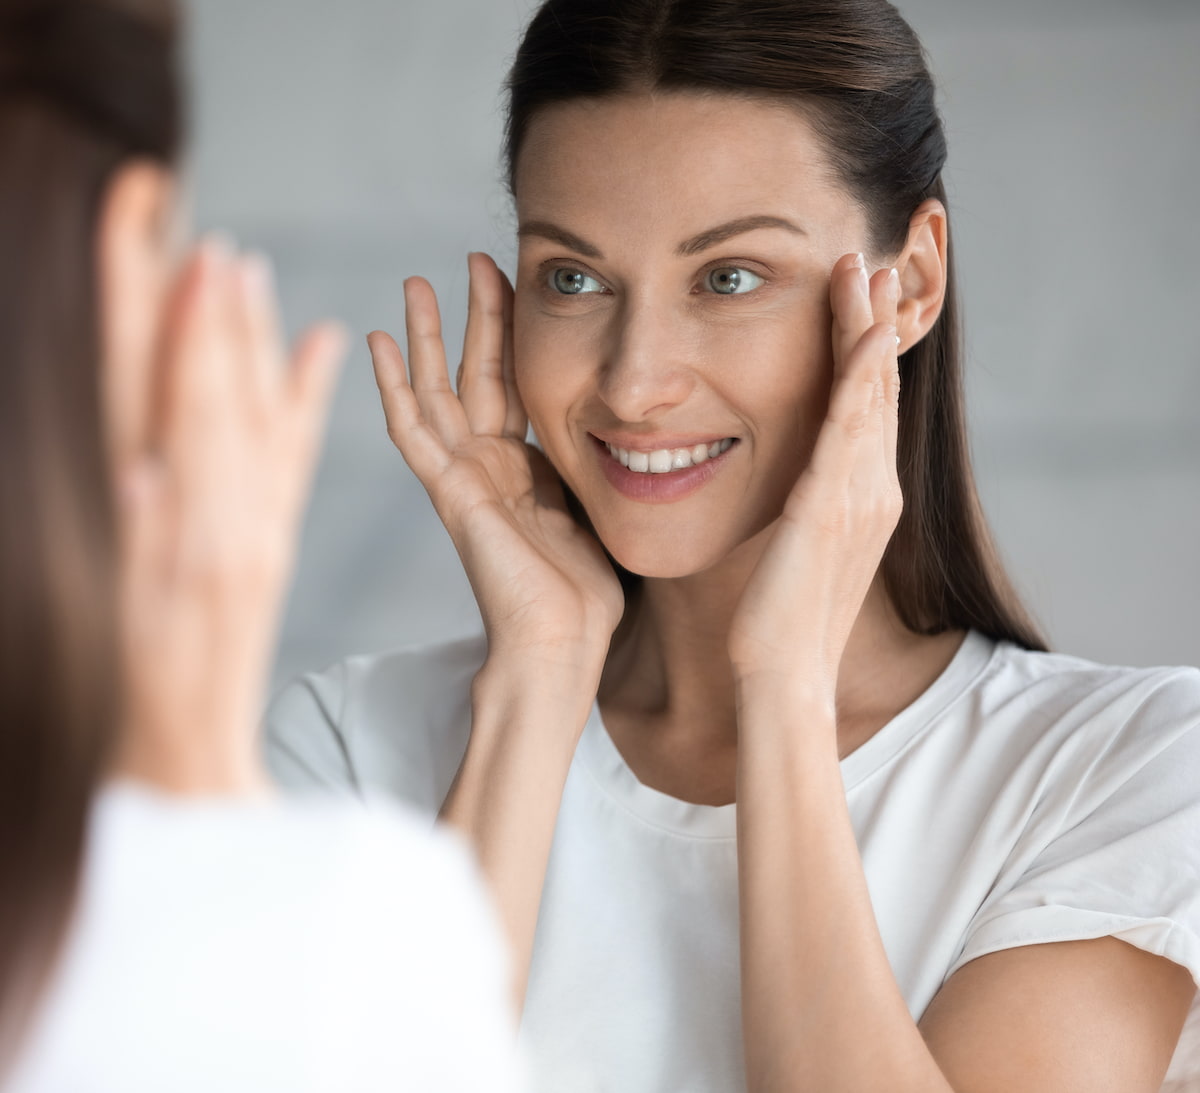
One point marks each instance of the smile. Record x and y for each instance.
(663, 475)
(665, 460)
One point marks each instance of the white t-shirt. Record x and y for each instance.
(1023, 798)
(230, 946)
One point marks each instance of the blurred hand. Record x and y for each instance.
(208, 520)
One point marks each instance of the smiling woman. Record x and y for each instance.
(774, 781)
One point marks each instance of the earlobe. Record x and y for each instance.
(924, 271)
(133, 272)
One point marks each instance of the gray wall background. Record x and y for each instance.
(357, 143)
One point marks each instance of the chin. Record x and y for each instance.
(688, 552)
(663, 561)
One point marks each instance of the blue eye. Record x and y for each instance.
(732, 281)
(571, 282)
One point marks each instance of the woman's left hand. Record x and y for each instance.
(209, 516)
(799, 606)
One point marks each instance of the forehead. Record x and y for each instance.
(651, 163)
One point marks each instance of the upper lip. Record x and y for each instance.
(640, 442)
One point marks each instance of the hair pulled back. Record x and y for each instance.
(85, 85)
(856, 72)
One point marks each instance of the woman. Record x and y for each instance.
(956, 862)
(165, 924)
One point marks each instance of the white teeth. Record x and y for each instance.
(660, 461)
(664, 460)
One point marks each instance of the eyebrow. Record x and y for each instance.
(721, 232)
(543, 229)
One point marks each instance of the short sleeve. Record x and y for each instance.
(302, 740)
(1124, 858)
(394, 724)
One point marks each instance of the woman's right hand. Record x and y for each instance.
(548, 596)
(545, 590)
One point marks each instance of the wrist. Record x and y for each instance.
(532, 695)
(785, 699)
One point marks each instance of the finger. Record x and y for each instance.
(481, 386)
(262, 331)
(885, 304)
(440, 406)
(854, 408)
(850, 298)
(198, 368)
(142, 533)
(515, 421)
(316, 363)
(144, 577)
(418, 441)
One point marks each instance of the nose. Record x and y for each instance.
(643, 374)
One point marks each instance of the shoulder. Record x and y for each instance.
(318, 924)
(1107, 717)
(1094, 806)
(395, 722)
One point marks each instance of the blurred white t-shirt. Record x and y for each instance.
(1023, 798)
(223, 946)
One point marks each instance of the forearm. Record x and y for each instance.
(506, 795)
(821, 1006)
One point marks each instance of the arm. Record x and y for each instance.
(548, 597)
(821, 1007)
(505, 797)
(822, 1010)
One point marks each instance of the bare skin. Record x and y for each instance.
(762, 647)
(213, 432)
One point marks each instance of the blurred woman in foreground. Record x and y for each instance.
(165, 924)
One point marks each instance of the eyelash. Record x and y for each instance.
(547, 270)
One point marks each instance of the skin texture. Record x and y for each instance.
(761, 648)
(213, 430)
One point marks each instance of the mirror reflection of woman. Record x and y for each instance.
(956, 861)
(166, 923)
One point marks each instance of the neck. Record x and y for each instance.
(668, 672)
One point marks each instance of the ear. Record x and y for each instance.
(923, 268)
(134, 268)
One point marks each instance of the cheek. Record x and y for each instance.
(778, 370)
(548, 367)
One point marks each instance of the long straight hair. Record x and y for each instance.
(84, 87)
(854, 70)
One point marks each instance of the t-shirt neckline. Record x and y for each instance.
(614, 777)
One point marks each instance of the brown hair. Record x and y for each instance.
(84, 86)
(856, 71)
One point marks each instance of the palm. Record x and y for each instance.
(539, 578)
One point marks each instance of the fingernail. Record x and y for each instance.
(894, 282)
(257, 276)
(859, 262)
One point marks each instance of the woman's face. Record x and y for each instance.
(672, 311)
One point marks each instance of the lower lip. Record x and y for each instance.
(658, 488)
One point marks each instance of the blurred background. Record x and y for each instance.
(358, 142)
